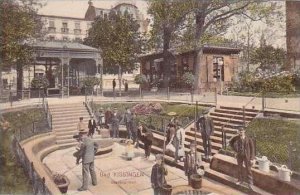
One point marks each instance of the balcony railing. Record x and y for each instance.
(77, 31)
(51, 29)
(65, 30)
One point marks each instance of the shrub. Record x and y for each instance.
(189, 79)
(282, 82)
(140, 79)
(39, 82)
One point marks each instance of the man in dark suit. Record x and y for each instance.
(158, 175)
(206, 127)
(244, 147)
(128, 122)
(92, 126)
(147, 138)
(87, 152)
(115, 123)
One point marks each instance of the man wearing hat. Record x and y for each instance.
(206, 127)
(87, 154)
(80, 125)
(115, 123)
(92, 126)
(179, 141)
(244, 147)
(101, 120)
(158, 175)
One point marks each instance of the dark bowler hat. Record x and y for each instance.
(192, 144)
(241, 128)
(158, 157)
(205, 112)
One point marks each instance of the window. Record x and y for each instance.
(51, 38)
(65, 25)
(51, 23)
(218, 68)
(51, 27)
(64, 28)
(78, 39)
(77, 25)
(65, 38)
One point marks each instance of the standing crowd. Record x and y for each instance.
(138, 134)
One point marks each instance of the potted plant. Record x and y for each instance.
(62, 182)
(38, 83)
(189, 80)
(140, 79)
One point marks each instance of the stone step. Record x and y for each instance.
(66, 124)
(66, 121)
(214, 145)
(71, 144)
(68, 132)
(57, 117)
(218, 132)
(70, 136)
(253, 111)
(226, 119)
(213, 138)
(229, 125)
(72, 140)
(66, 105)
(230, 181)
(68, 111)
(236, 112)
(229, 116)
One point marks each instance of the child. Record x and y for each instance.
(129, 150)
(158, 175)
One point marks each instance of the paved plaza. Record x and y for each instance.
(117, 176)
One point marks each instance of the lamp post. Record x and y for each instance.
(221, 66)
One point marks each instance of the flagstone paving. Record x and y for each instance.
(117, 176)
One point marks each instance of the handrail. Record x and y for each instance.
(48, 112)
(224, 143)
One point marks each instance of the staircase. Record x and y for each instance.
(226, 117)
(64, 122)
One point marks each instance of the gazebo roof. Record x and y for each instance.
(60, 45)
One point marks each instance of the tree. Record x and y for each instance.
(167, 16)
(268, 57)
(207, 16)
(20, 24)
(120, 40)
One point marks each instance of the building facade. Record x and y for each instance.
(218, 65)
(293, 33)
(76, 29)
(93, 12)
(65, 28)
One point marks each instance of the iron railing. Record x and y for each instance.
(48, 112)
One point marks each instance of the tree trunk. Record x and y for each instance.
(167, 56)
(19, 79)
(200, 19)
(1, 83)
(198, 70)
(120, 81)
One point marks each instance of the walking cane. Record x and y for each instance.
(164, 149)
(196, 118)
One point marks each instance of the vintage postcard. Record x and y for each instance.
(142, 97)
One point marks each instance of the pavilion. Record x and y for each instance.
(72, 61)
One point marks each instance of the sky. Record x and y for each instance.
(77, 8)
